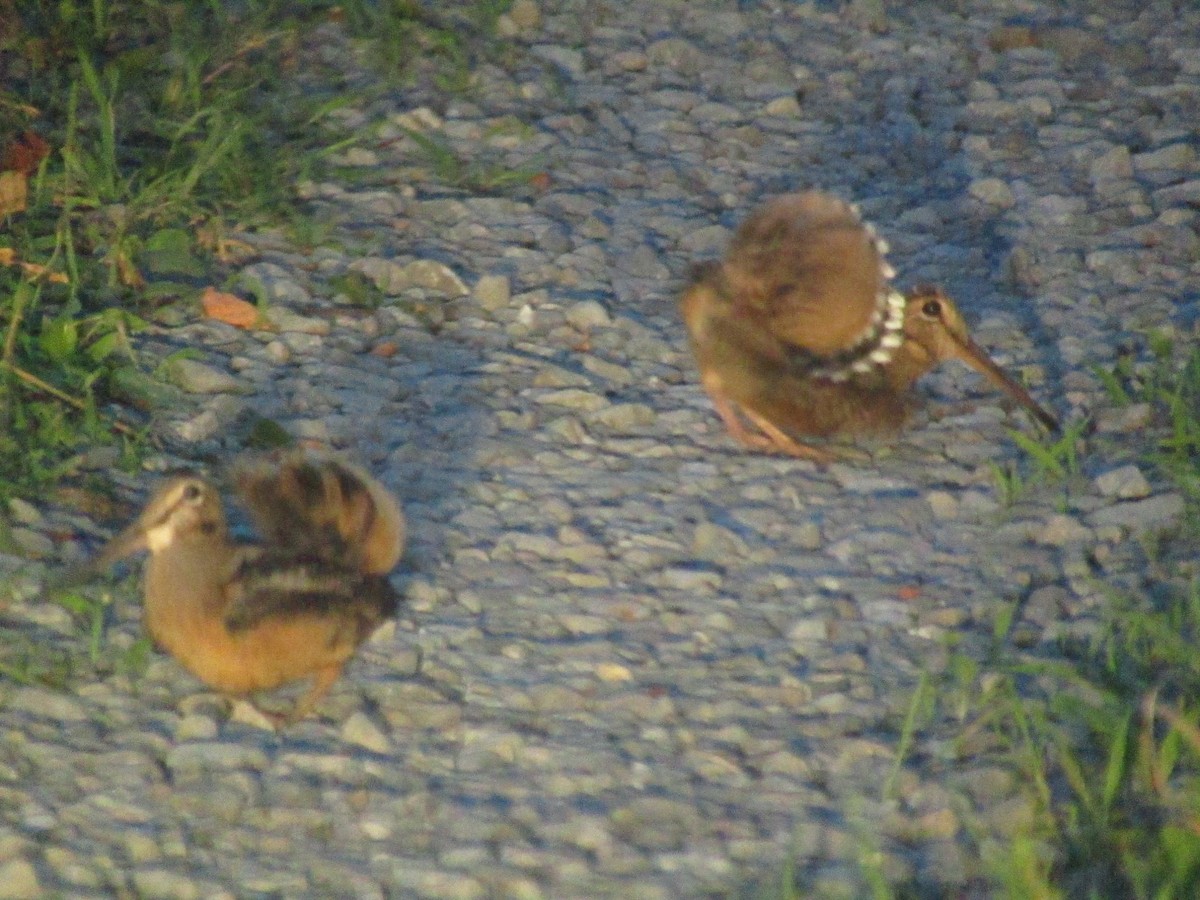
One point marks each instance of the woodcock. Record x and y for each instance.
(247, 617)
(799, 331)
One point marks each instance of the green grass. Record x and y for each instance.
(1100, 729)
(170, 125)
(482, 176)
(1104, 733)
(1045, 461)
(59, 663)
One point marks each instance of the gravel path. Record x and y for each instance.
(637, 661)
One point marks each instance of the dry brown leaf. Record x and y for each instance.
(24, 154)
(229, 309)
(226, 249)
(13, 193)
(127, 272)
(34, 271)
(8, 257)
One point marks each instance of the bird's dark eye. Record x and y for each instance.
(191, 492)
(932, 308)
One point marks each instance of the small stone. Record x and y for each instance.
(420, 119)
(940, 823)
(285, 319)
(278, 352)
(588, 314)
(642, 262)
(808, 632)
(655, 823)
(613, 672)
(993, 192)
(1186, 193)
(943, 504)
(19, 880)
(1123, 419)
(198, 428)
(33, 544)
(558, 377)
(1047, 604)
(808, 536)
(435, 276)
(620, 376)
(199, 378)
(46, 704)
(573, 398)
(1116, 163)
(196, 727)
(709, 240)
(1061, 530)
(1011, 37)
(166, 884)
(492, 292)
(787, 106)
(24, 512)
(360, 156)
(675, 53)
(1124, 483)
(628, 61)
(684, 579)
(1179, 157)
(715, 543)
(361, 731)
(393, 278)
(375, 829)
(567, 59)
(525, 14)
(1161, 511)
(624, 417)
(272, 282)
(246, 713)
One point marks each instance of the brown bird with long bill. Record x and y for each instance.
(250, 617)
(799, 332)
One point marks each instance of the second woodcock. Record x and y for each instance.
(798, 331)
(247, 617)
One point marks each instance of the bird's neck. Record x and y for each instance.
(188, 575)
(910, 362)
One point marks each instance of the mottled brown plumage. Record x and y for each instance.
(302, 499)
(245, 618)
(799, 332)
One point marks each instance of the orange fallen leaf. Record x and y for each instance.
(229, 309)
(25, 153)
(385, 349)
(909, 592)
(540, 181)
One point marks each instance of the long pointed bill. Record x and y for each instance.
(975, 357)
(129, 541)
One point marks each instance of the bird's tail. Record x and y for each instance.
(314, 503)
